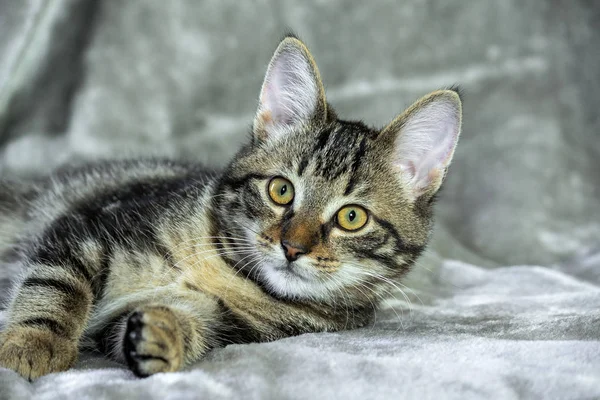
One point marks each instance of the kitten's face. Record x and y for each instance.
(323, 213)
(323, 209)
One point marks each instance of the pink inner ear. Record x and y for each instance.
(426, 143)
(290, 92)
(409, 168)
(269, 95)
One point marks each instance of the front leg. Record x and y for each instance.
(52, 305)
(170, 329)
(159, 339)
(46, 320)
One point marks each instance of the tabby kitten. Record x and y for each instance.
(159, 262)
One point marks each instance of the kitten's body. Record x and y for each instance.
(144, 231)
(159, 262)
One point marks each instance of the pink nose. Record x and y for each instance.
(292, 251)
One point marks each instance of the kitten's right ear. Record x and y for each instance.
(423, 139)
(292, 94)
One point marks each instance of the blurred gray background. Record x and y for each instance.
(86, 79)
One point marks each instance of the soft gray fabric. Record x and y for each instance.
(513, 332)
(516, 316)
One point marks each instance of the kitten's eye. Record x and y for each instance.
(352, 218)
(281, 191)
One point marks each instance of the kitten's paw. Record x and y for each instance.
(153, 342)
(34, 353)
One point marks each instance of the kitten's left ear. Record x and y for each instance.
(423, 139)
(292, 94)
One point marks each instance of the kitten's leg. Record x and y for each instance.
(154, 340)
(47, 315)
(167, 333)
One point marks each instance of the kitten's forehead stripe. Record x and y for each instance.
(302, 166)
(333, 159)
(358, 156)
(339, 150)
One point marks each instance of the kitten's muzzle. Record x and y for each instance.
(293, 251)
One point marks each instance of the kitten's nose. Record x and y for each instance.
(292, 250)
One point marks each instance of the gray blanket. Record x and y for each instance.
(506, 302)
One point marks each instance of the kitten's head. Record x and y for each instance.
(325, 209)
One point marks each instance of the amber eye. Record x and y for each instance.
(352, 218)
(281, 191)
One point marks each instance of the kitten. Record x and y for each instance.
(159, 262)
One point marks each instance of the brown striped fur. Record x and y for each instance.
(157, 262)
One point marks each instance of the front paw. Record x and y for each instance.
(153, 342)
(34, 353)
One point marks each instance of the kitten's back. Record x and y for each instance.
(26, 207)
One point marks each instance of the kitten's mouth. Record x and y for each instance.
(290, 270)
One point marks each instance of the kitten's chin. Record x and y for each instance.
(290, 281)
(292, 271)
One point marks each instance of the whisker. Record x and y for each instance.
(369, 299)
(174, 266)
(209, 238)
(345, 298)
(232, 246)
(390, 282)
(256, 264)
(412, 291)
(387, 281)
(256, 258)
(219, 252)
(224, 253)
(245, 226)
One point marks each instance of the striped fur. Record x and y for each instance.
(158, 262)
